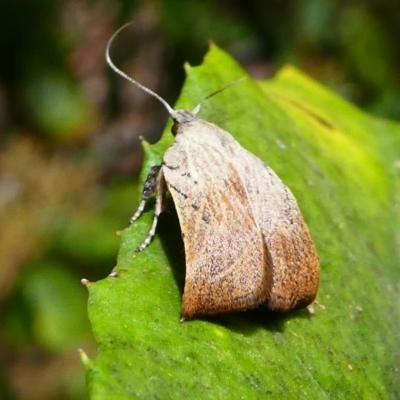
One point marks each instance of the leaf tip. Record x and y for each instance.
(187, 67)
(85, 282)
(86, 361)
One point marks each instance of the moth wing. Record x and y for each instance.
(295, 263)
(227, 265)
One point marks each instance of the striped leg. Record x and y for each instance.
(155, 183)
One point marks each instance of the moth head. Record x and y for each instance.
(181, 117)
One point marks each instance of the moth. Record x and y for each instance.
(246, 242)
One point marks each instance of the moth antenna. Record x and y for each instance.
(197, 108)
(170, 110)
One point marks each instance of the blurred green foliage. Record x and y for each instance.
(69, 134)
(43, 319)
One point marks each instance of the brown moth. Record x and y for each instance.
(246, 243)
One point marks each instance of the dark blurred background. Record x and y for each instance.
(69, 128)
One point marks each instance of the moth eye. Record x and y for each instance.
(174, 128)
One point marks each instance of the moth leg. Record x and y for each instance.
(149, 188)
(159, 189)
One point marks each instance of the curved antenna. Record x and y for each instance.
(170, 110)
(197, 108)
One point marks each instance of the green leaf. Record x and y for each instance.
(341, 165)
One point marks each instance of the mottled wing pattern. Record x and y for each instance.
(227, 265)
